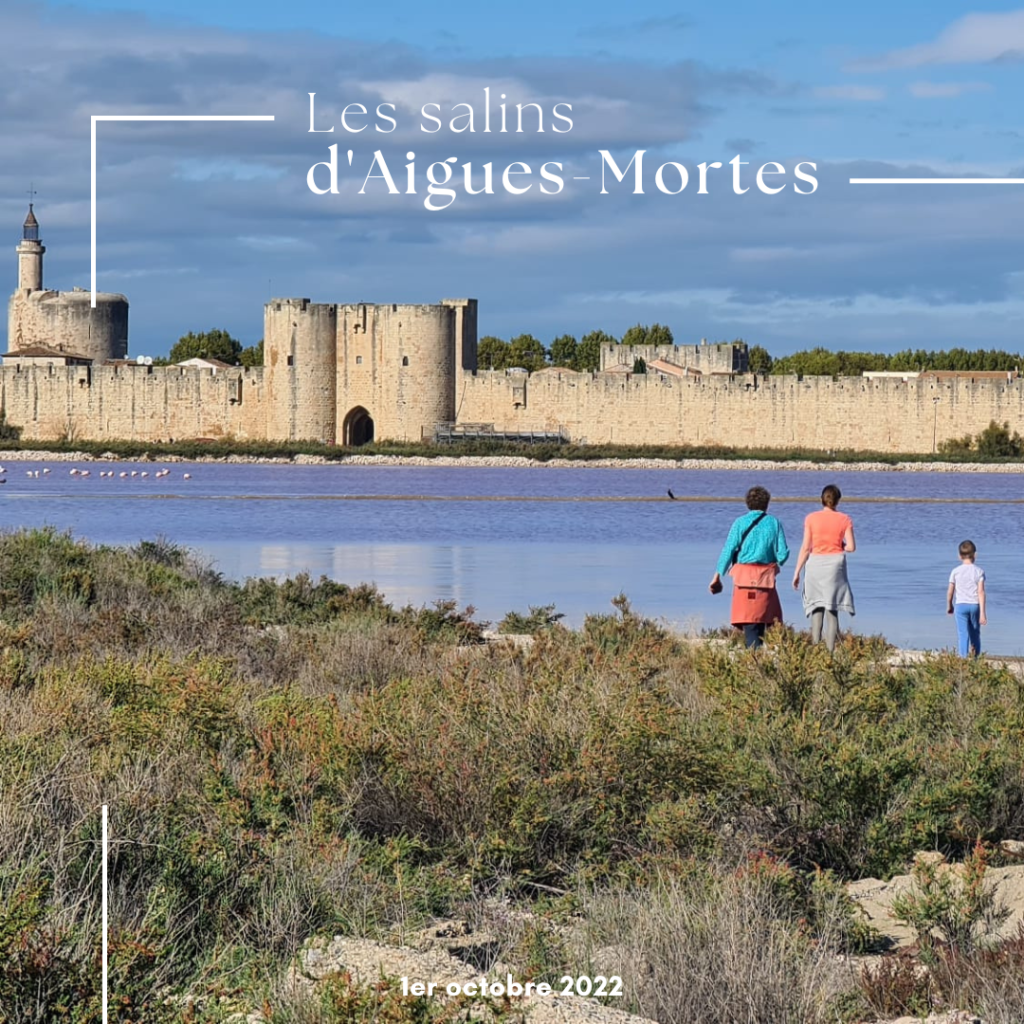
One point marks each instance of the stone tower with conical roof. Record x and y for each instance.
(61, 323)
(30, 255)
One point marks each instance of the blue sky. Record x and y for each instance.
(200, 224)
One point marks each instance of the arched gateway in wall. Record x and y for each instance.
(357, 428)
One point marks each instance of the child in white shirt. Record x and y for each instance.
(965, 599)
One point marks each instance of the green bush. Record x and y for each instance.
(289, 759)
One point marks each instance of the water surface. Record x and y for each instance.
(503, 539)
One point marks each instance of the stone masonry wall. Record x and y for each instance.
(851, 413)
(145, 403)
(159, 403)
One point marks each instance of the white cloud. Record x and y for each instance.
(945, 90)
(973, 39)
(860, 93)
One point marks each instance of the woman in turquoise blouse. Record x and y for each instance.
(756, 539)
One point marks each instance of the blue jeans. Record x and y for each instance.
(968, 628)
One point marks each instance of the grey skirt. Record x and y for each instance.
(826, 585)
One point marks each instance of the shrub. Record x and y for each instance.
(957, 446)
(713, 948)
(996, 441)
(539, 618)
(951, 899)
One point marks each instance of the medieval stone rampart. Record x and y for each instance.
(850, 413)
(129, 402)
(353, 373)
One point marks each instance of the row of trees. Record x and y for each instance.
(824, 362)
(528, 352)
(492, 353)
(584, 354)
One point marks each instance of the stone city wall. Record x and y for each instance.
(129, 402)
(851, 413)
(133, 402)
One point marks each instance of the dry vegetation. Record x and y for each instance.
(298, 759)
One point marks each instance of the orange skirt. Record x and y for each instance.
(751, 605)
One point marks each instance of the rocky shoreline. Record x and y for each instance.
(516, 461)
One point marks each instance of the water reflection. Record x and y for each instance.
(519, 552)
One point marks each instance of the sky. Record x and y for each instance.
(201, 224)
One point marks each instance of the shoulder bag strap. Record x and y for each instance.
(746, 533)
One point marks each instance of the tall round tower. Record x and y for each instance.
(58, 322)
(300, 368)
(30, 255)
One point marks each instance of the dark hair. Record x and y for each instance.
(757, 499)
(830, 496)
(967, 549)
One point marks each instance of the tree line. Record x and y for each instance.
(823, 362)
(529, 353)
(493, 353)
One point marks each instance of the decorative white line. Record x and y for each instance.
(104, 887)
(147, 117)
(937, 181)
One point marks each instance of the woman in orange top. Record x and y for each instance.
(828, 539)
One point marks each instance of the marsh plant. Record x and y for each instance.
(286, 760)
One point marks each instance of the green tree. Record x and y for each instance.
(493, 354)
(659, 334)
(209, 345)
(253, 355)
(588, 355)
(526, 351)
(996, 441)
(811, 363)
(563, 351)
(759, 359)
(636, 335)
(639, 365)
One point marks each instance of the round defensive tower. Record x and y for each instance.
(300, 359)
(421, 355)
(61, 321)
